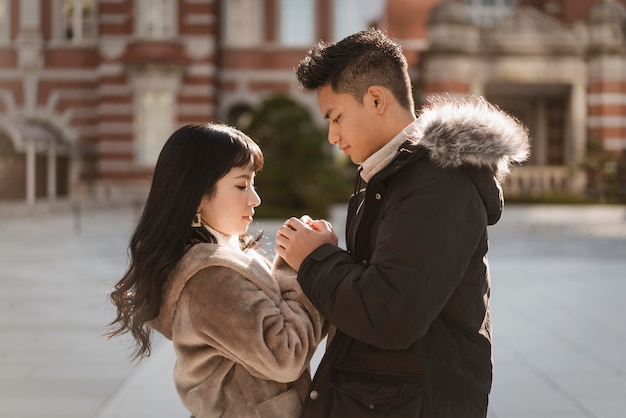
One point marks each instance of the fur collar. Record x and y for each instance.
(201, 256)
(472, 131)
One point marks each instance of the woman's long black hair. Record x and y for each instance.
(191, 162)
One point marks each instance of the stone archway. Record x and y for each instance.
(12, 170)
(533, 66)
(35, 161)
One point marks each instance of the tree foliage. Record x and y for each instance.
(300, 174)
(606, 172)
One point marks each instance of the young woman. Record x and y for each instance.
(243, 331)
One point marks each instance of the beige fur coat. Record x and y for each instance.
(244, 335)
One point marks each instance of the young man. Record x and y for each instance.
(410, 296)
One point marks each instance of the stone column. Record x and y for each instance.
(29, 44)
(52, 171)
(578, 122)
(30, 172)
(539, 153)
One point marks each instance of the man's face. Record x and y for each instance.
(351, 125)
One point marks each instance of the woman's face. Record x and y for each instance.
(231, 207)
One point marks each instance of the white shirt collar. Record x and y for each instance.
(381, 158)
(231, 241)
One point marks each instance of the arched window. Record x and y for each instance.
(12, 171)
(37, 159)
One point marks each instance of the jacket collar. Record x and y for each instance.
(229, 241)
(381, 158)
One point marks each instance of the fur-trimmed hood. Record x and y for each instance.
(473, 134)
(244, 333)
(472, 131)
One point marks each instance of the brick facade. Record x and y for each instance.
(69, 108)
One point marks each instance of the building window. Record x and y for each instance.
(488, 12)
(78, 20)
(297, 22)
(5, 21)
(156, 19)
(156, 121)
(243, 19)
(350, 16)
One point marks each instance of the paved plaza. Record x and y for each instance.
(558, 306)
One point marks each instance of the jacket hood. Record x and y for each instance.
(198, 257)
(474, 133)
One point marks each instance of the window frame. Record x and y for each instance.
(169, 27)
(144, 83)
(338, 19)
(231, 32)
(58, 23)
(488, 15)
(287, 22)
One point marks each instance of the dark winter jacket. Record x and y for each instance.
(410, 297)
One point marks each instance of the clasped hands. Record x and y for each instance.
(297, 238)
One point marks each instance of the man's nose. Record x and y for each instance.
(333, 136)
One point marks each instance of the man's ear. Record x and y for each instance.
(377, 98)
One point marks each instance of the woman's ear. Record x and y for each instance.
(204, 202)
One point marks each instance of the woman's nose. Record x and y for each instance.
(255, 200)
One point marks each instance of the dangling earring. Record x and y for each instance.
(197, 220)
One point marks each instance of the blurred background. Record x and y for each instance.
(90, 90)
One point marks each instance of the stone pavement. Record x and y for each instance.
(559, 286)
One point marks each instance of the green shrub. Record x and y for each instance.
(300, 174)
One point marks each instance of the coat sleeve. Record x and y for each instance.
(292, 293)
(271, 334)
(428, 233)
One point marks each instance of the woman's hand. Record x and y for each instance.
(297, 238)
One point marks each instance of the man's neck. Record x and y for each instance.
(386, 154)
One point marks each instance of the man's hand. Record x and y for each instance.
(297, 238)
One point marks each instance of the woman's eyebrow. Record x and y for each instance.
(245, 176)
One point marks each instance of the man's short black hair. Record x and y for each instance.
(358, 61)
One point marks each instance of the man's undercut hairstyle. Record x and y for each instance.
(352, 65)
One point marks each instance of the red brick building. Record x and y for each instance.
(90, 89)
